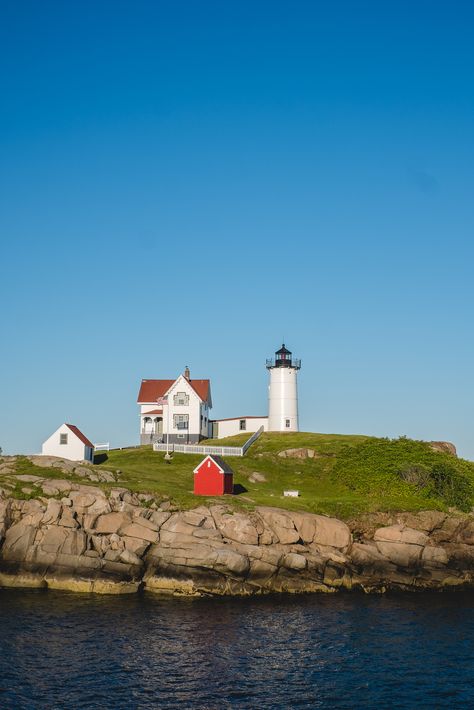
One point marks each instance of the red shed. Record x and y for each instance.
(213, 477)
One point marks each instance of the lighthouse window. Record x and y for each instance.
(287, 423)
(242, 425)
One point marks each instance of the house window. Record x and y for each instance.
(63, 438)
(181, 421)
(242, 425)
(181, 399)
(181, 436)
(287, 423)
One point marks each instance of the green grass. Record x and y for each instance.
(351, 475)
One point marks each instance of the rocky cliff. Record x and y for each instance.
(80, 538)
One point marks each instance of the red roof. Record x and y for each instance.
(153, 411)
(150, 390)
(80, 435)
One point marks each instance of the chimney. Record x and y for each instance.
(187, 374)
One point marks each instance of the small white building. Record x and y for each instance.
(68, 442)
(174, 409)
(221, 428)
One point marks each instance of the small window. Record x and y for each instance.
(63, 438)
(181, 399)
(181, 436)
(287, 423)
(242, 425)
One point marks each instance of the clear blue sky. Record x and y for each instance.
(185, 183)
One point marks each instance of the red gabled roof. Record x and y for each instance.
(150, 390)
(80, 435)
(218, 460)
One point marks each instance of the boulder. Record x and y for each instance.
(19, 539)
(27, 478)
(139, 547)
(434, 557)
(68, 519)
(232, 561)
(140, 532)
(257, 477)
(445, 447)
(111, 522)
(425, 520)
(294, 561)
(130, 558)
(52, 512)
(177, 525)
(281, 524)
(401, 554)
(53, 540)
(466, 533)
(239, 527)
(369, 558)
(75, 543)
(159, 517)
(400, 533)
(297, 454)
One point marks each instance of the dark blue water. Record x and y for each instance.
(60, 650)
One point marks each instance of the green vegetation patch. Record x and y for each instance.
(346, 476)
(406, 474)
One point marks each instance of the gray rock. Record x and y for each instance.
(111, 522)
(257, 477)
(140, 532)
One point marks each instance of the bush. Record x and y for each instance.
(416, 475)
(453, 487)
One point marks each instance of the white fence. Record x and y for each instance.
(204, 450)
(102, 447)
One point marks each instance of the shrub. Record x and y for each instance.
(452, 486)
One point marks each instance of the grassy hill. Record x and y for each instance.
(349, 474)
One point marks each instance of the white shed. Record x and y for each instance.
(68, 442)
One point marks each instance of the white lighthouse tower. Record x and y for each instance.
(283, 391)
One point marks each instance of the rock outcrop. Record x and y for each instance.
(445, 447)
(84, 539)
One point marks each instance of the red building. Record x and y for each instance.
(213, 477)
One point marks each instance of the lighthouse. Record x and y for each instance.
(283, 391)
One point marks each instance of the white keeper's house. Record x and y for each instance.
(178, 409)
(181, 408)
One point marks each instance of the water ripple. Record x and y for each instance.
(60, 650)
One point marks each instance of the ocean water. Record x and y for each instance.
(64, 650)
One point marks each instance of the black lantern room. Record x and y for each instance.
(283, 358)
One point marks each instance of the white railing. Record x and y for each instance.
(102, 447)
(250, 441)
(204, 450)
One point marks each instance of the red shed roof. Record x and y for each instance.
(152, 411)
(80, 435)
(150, 390)
(218, 460)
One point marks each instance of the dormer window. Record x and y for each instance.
(181, 399)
